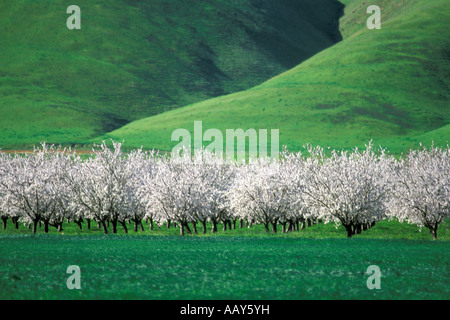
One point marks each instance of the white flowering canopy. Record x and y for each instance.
(421, 193)
(354, 189)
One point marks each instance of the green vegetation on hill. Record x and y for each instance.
(133, 59)
(389, 85)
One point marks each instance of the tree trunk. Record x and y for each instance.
(181, 230)
(225, 225)
(194, 226)
(241, 223)
(290, 226)
(60, 229)
(303, 225)
(46, 226)
(114, 226)
(35, 224)
(274, 226)
(105, 229)
(4, 222)
(433, 231)
(142, 226)
(349, 230)
(203, 222)
(234, 223)
(151, 224)
(135, 225)
(168, 224)
(214, 226)
(266, 227)
(124, 225)
(283, 227)
(88, 224)
(186, 225)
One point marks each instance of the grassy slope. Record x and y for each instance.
(134, 59)
(390, 85)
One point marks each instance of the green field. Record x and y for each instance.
(159, 267)
(315, 263)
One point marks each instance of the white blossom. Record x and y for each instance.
(421, 193)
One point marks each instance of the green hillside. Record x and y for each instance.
(389, 85)
(133, 59)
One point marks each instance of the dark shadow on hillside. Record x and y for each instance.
(110, 122)
(317, 28)
(278, 35)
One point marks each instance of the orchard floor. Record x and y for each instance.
(315, 263)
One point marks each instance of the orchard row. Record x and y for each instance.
(353, 189)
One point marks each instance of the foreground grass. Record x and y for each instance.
(247, 263)
(169, 267)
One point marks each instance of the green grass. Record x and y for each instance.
(135, 59)
(143, 267)
(387, 229)
(315, 263)
(389, 85)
